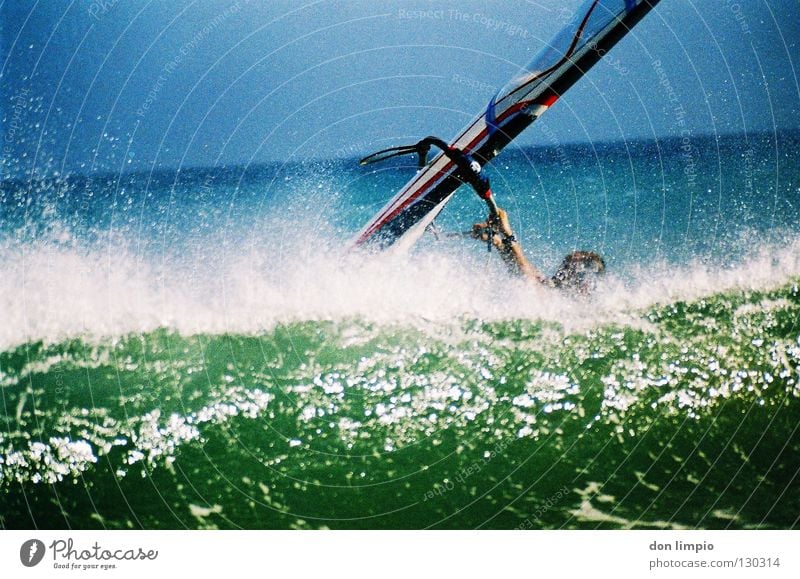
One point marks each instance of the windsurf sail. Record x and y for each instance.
(596, 27)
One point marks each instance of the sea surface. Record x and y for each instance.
(194, 348)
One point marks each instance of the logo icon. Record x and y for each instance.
(32, 552)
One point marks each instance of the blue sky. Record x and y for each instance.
(105, 85)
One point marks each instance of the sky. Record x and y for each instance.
(109, 85)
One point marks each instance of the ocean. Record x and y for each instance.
(194, 348)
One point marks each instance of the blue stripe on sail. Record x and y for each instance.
(630, 5)
(491, 116)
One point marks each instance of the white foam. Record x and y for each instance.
(53, 290)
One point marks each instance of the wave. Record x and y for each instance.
(60, 288)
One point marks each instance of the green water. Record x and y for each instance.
(686, 419)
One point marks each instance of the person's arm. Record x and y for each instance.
(508, 247)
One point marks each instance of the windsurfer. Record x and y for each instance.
(578, 272)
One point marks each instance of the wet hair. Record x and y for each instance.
(579, 272)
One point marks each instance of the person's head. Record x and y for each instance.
(579, 272)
